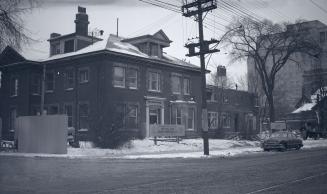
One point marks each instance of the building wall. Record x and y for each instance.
(98, 92)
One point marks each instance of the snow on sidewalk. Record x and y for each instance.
(188, 148)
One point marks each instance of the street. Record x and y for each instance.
(303, 171)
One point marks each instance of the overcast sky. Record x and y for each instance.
(137, 18)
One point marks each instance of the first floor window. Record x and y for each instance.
(36, 84)
(83, 116)
(83, 75)
(226, 120)
(49, 81)
(119, 77)
(132, 116)
(14, 86)
(184, 115)
(13, 115)
(68, 110)
(212, 120)
(190, 118)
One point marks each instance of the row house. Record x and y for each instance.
(90, 79)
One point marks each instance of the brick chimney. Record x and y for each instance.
(221, 76)
(82, 22)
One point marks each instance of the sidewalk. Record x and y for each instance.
(189, 148)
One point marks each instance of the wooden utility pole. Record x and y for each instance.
(197, 8)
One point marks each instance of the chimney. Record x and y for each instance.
(82, 22)
(54, 35)
(221, 76)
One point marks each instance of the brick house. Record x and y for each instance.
(231, 112)
(90, 78)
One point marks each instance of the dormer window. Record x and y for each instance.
(69, 46)
(55, 48)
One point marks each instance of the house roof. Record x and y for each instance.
(114, 44)
(10, 55)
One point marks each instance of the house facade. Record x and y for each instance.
(91, 80)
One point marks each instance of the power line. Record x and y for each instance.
(318, 6)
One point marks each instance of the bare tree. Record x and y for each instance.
(269, 46)
(12, 30)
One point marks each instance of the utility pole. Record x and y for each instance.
(197, 8)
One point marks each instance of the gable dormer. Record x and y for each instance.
(151, 45)
(10, 55)
(60, 44)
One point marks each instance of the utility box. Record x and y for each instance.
(42, 134)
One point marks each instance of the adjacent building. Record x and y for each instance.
(300, 77)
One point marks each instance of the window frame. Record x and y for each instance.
(124, 77)
(158, 81)
(66, 41)
(188, 117)
(187, 87)
(68, 70)
(84, 116)
(227, 116)
(128, 78)
(135, 117)
(179, 78)
(47, 81)
(72, 116)
(35, 77)
(83, 69)
(212, 114)
(14, 87)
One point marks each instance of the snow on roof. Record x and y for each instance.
(305, 107)
(115, 44)
(314, 95)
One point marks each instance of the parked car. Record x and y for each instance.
(282, 141)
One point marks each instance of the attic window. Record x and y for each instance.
(55, 48)
(69, 46)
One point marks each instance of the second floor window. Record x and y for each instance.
(176, 84)
(14, 86)
(84, 75)
(36, 84)
(132, 78)
(49, 81)
(119, 77)
(154, 81)
(186, 86)
(70, 79)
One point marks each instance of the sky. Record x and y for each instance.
(138, 18)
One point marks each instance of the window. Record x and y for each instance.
(186, 86)
(225, 100)
(190, 118)
(68, 110)
(120, 116)
(69, 46)
(36, 84)
(154, 81)
(176, 84)
(84, 75)
(132, 116)
(212, 120)
(211, 96)
(323, 36)
(14, 86)
(225, 119)
(119, 77)
(132, 78)
(55, 48)
(83, 116)
(178, 115)
(13, 115)
(70, 79)
(49, 81)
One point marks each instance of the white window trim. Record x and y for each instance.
(16, 86)
(54, 83)
(190, 129)
(189, 86)
(129, 87)
(216, 117)
(158, 78)
(180, 79)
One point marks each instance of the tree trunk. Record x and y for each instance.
(270, 99)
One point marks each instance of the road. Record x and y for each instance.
(303, 171)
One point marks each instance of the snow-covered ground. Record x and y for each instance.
(188, 148)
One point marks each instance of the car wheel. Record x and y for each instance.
(283, 148)
(298, 147)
